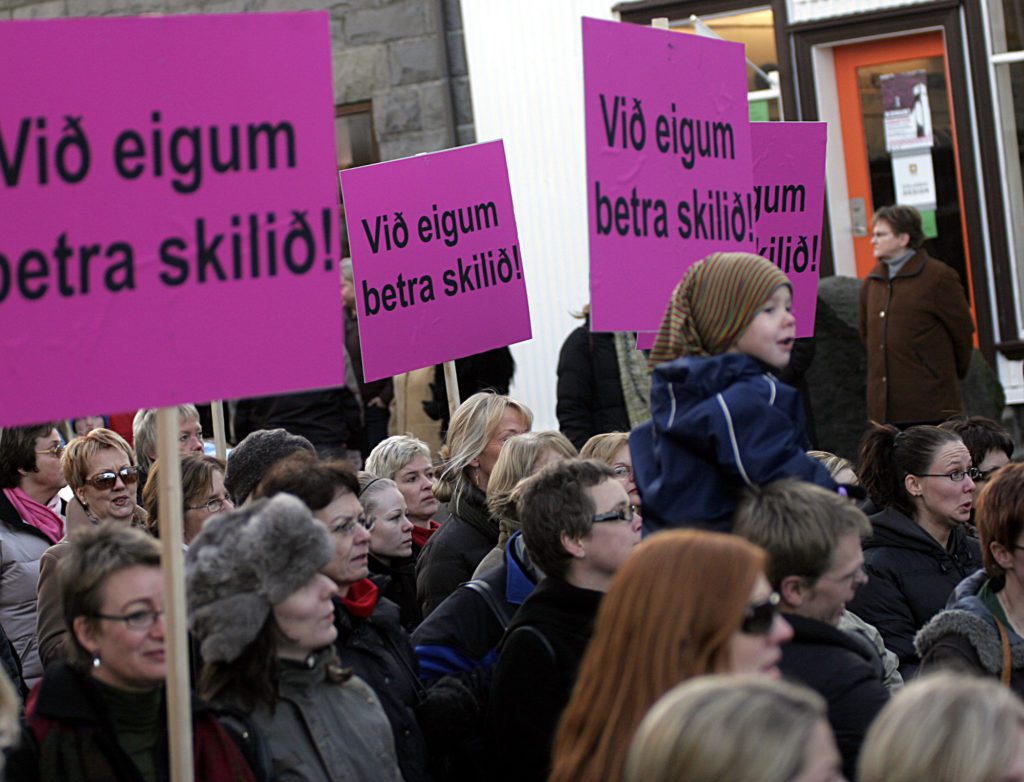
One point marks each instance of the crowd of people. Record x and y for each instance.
(695, 596)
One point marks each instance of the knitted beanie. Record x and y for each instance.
(244, 562)
(249, 461)
(713, 305)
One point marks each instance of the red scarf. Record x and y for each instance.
(361, 598)
(420, 535)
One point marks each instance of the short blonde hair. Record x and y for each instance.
(726, 729)
(944, 728)
(392, 454)
(472, 426)
(517, 460)
(80, 451)
(603, 447)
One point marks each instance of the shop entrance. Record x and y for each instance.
(900, 144)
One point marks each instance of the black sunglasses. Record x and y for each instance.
(106, 480)
(759, 617)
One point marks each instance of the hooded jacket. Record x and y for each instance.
(910, 578)
(718, 424)
(916, 328)
(964, 637)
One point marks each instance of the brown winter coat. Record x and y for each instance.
(917, 330)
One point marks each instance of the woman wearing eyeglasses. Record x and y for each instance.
(613, 449)
(923, 480)
(370, 639)
(982, 630)
(31, 520)
(101, 470)
(202, 488)
(686, 603)
(101, 715)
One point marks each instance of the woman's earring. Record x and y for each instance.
(96, 661)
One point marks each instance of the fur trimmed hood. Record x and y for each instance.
(968, 618)
(244, 562)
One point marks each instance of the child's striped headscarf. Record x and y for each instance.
(713, 305)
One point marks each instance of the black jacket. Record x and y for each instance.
(845, 671)
(539, 658)
(910, 578)
(453, 552)
(398, 584)
(590, 399)
(462, 635)
(378, 650)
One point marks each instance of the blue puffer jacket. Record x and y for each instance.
(717, 425)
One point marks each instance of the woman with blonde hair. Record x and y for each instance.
(407, 461)
(612, 448)
(101, 470)
(522, 455)
(478, 430)
(946, 728)
(685, 604)
(735, 729)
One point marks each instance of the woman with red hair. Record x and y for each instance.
(686, 603)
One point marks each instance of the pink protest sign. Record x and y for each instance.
(169, 212)
(668, 164)
(789, 196)
(436, 259)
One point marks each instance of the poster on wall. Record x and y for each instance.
(906, 113)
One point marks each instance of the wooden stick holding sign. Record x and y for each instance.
(451, 382)
(220, 440)
(179, 705)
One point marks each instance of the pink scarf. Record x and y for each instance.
(39, 516)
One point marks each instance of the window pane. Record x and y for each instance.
(1007, 18)
(754, 29)
(1010, 100)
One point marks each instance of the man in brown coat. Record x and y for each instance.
(915, 324)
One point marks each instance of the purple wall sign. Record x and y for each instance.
(436, 259)
(789, 197)
(169, 212)
(668, 164)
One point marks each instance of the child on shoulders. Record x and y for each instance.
(721, 421)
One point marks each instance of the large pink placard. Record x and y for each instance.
(668, 164)
(436, 259)
(789, 197)
(169, 217)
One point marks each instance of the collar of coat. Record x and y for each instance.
(913, 267)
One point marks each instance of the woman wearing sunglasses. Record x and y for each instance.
(31, 520)
(919, 550)
(101, 715)
(686, 603)
(100, 469)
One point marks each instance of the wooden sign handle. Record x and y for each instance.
(179, 705)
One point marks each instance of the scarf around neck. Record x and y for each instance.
(35, 514)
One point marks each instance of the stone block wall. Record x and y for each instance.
(406, 56)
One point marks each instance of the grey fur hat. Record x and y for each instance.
(244, 562)
(250, 460)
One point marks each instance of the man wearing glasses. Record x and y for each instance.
(813, 539)
(579, 527)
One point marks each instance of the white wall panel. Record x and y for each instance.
(526, 77)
